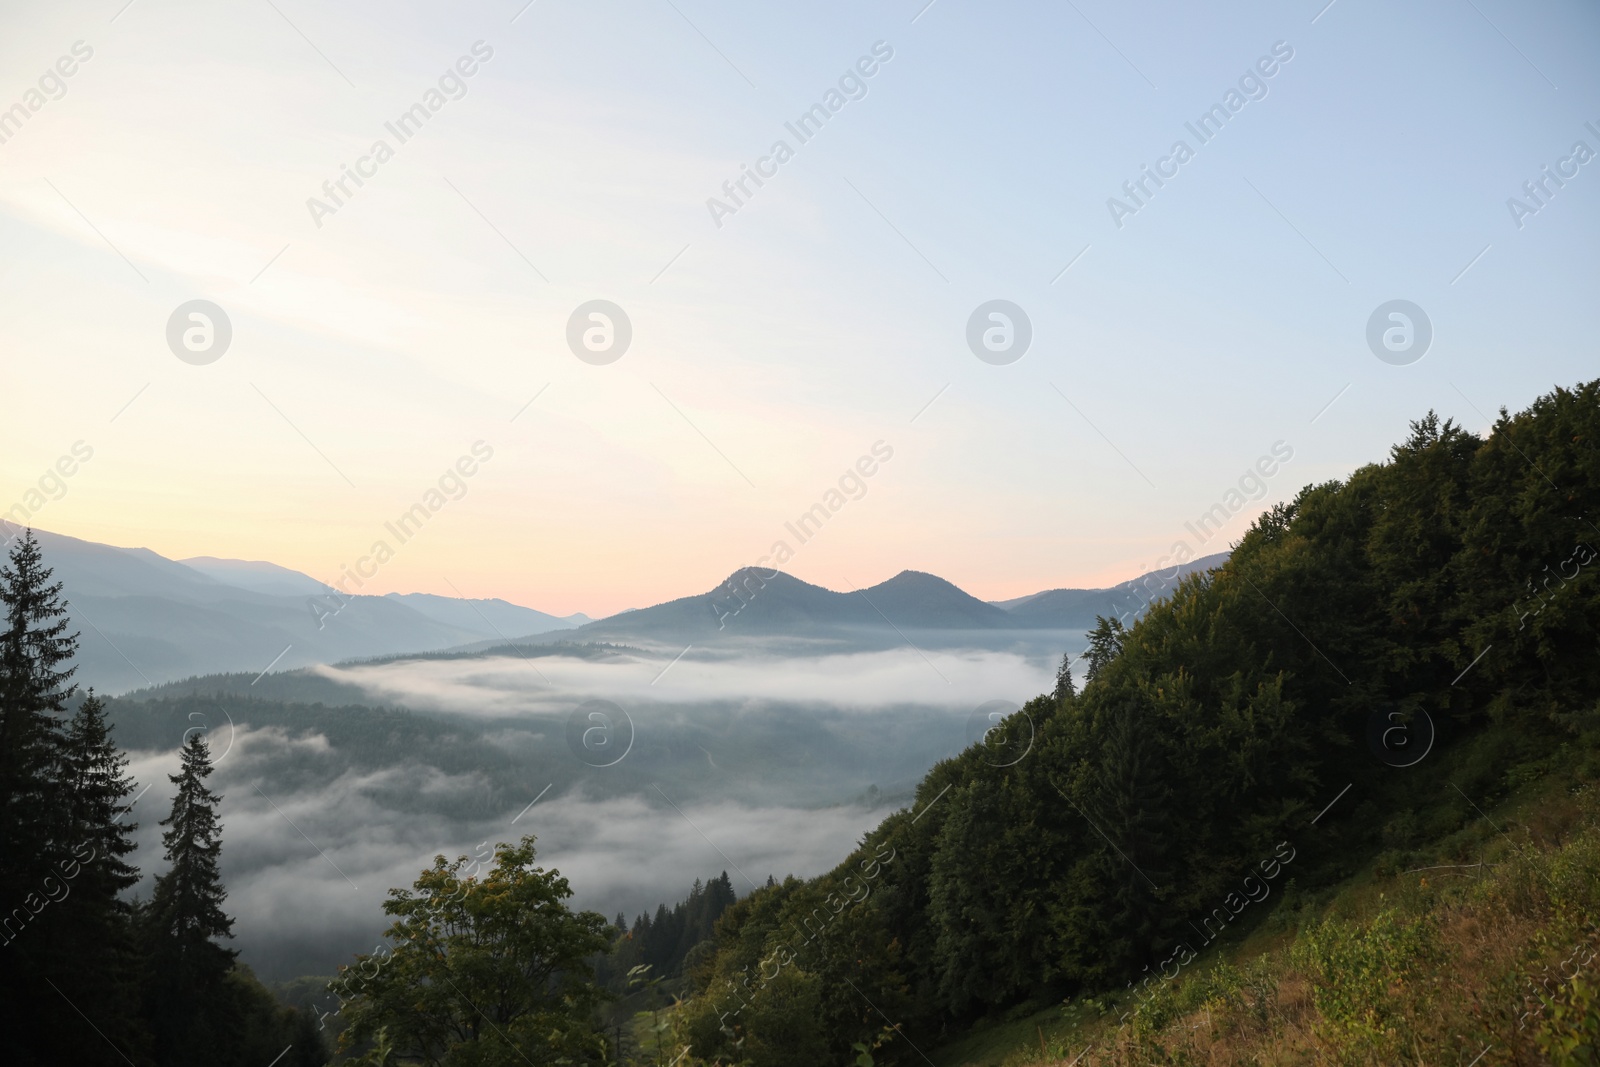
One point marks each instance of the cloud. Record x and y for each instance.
(311, 848)
(556, 684)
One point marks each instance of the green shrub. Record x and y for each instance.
(1362, 976)
(1570, 1032)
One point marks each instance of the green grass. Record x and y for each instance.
(1529, 805)
(989, 1045)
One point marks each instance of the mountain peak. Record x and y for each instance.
(910, 577)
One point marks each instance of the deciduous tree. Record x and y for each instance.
(490, 970)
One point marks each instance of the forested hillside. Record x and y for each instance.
(662, 942)
(1257, 728)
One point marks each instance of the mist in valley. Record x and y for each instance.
(748, 762)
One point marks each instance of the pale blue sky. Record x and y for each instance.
(818, 320)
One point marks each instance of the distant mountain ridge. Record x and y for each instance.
(1059, 605)
(500, 616)
(758, 602)
(145, 619)
(257, 576)
(762, 602)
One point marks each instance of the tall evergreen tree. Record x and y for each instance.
(187, 1013)
(98, 789)
(1064, 687)
(94, 956)
(35, 685)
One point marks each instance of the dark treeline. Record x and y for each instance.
(1104, 836)
(88, 976)
(663, 942)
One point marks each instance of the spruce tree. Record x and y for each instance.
(94, 958)
(34, 688)
(1064, 687)
(35, 684)
(187, 1013)
(98, 790)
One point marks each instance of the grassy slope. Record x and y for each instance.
(1394, 964)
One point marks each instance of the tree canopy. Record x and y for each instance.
(486, 969)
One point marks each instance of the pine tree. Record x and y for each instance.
(1064, 687)
(34, 689)
(35, 877)
(188, 1015)
(94, 956)
(98, 785)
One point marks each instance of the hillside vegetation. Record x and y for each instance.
(1479, 946)
(1271, 729)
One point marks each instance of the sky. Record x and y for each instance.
(783, 332)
